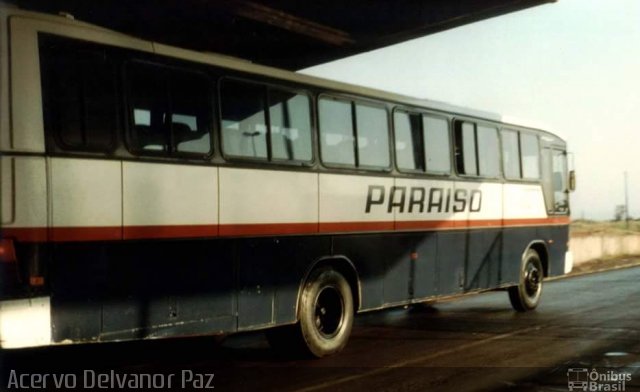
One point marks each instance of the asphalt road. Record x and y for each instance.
(589, 322)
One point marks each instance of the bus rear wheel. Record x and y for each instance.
(526, 295)
(325, 312)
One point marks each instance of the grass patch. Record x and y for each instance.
(588, 227)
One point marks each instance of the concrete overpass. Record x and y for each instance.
(290, 34)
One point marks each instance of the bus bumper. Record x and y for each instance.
(25, 322)
(568, 262)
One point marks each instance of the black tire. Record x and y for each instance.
(325, 312)
(526, 295)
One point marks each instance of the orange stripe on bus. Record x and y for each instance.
(172, 231)
(265, 229)
(426, 225)
(70, 234)
(565, 220)
(337, 227)
(26, 234)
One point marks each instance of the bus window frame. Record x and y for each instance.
(496, 128)
(312, 126)
(408, 111)
(230, 157)
(504, 172)
(54, 142)
(537, 136)
(520, 131)
(353, 101)
(476, 122)
(266, 86)
(128, 110)
(449, 138)
(553, 149)
(411, 110)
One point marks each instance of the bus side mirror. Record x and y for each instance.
(572, 180)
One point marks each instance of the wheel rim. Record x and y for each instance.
(329, 310)
(532, 279)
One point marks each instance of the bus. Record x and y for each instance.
(150, 191)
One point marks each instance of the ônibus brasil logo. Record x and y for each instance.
(583, 379)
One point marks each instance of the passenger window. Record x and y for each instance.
(290, 121)
(244, 128)
(466, 159)
(147, 85)
(559, 180)
(530, 156)
(422, 142)
(488, 151)
(511, 154)
(190, 108)
(408, 137)
(477, 150)
(373, 136)
(245, 110)
(169, 109)
(336, 132)
(79, 94)
(554, 180)
(436, 140)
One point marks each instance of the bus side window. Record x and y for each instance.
(520, 155)
(169, 110)
(422, 142)
(190, 113)
(488, 151)
(554, 180)
(530, 150)
(436, 137)
(511, 154)
(267, 123)
(336, 132)
(244, 126)
(340, 120)
(373, 136)
(408, 141)
(477, 150)
(559, 181)
(290, 125)
(149, 106)
(465, 148)
(79, 94)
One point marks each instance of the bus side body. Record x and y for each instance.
(134, 240)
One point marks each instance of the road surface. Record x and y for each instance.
(585, 326)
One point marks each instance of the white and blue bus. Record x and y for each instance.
(149, 191)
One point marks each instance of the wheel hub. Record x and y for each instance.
(532, 279)
(328, 312)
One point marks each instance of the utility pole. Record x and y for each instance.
(626, 201)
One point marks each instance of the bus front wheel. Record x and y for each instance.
(526, 295)
(326, 312)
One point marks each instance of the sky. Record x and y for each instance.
(570, 67)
